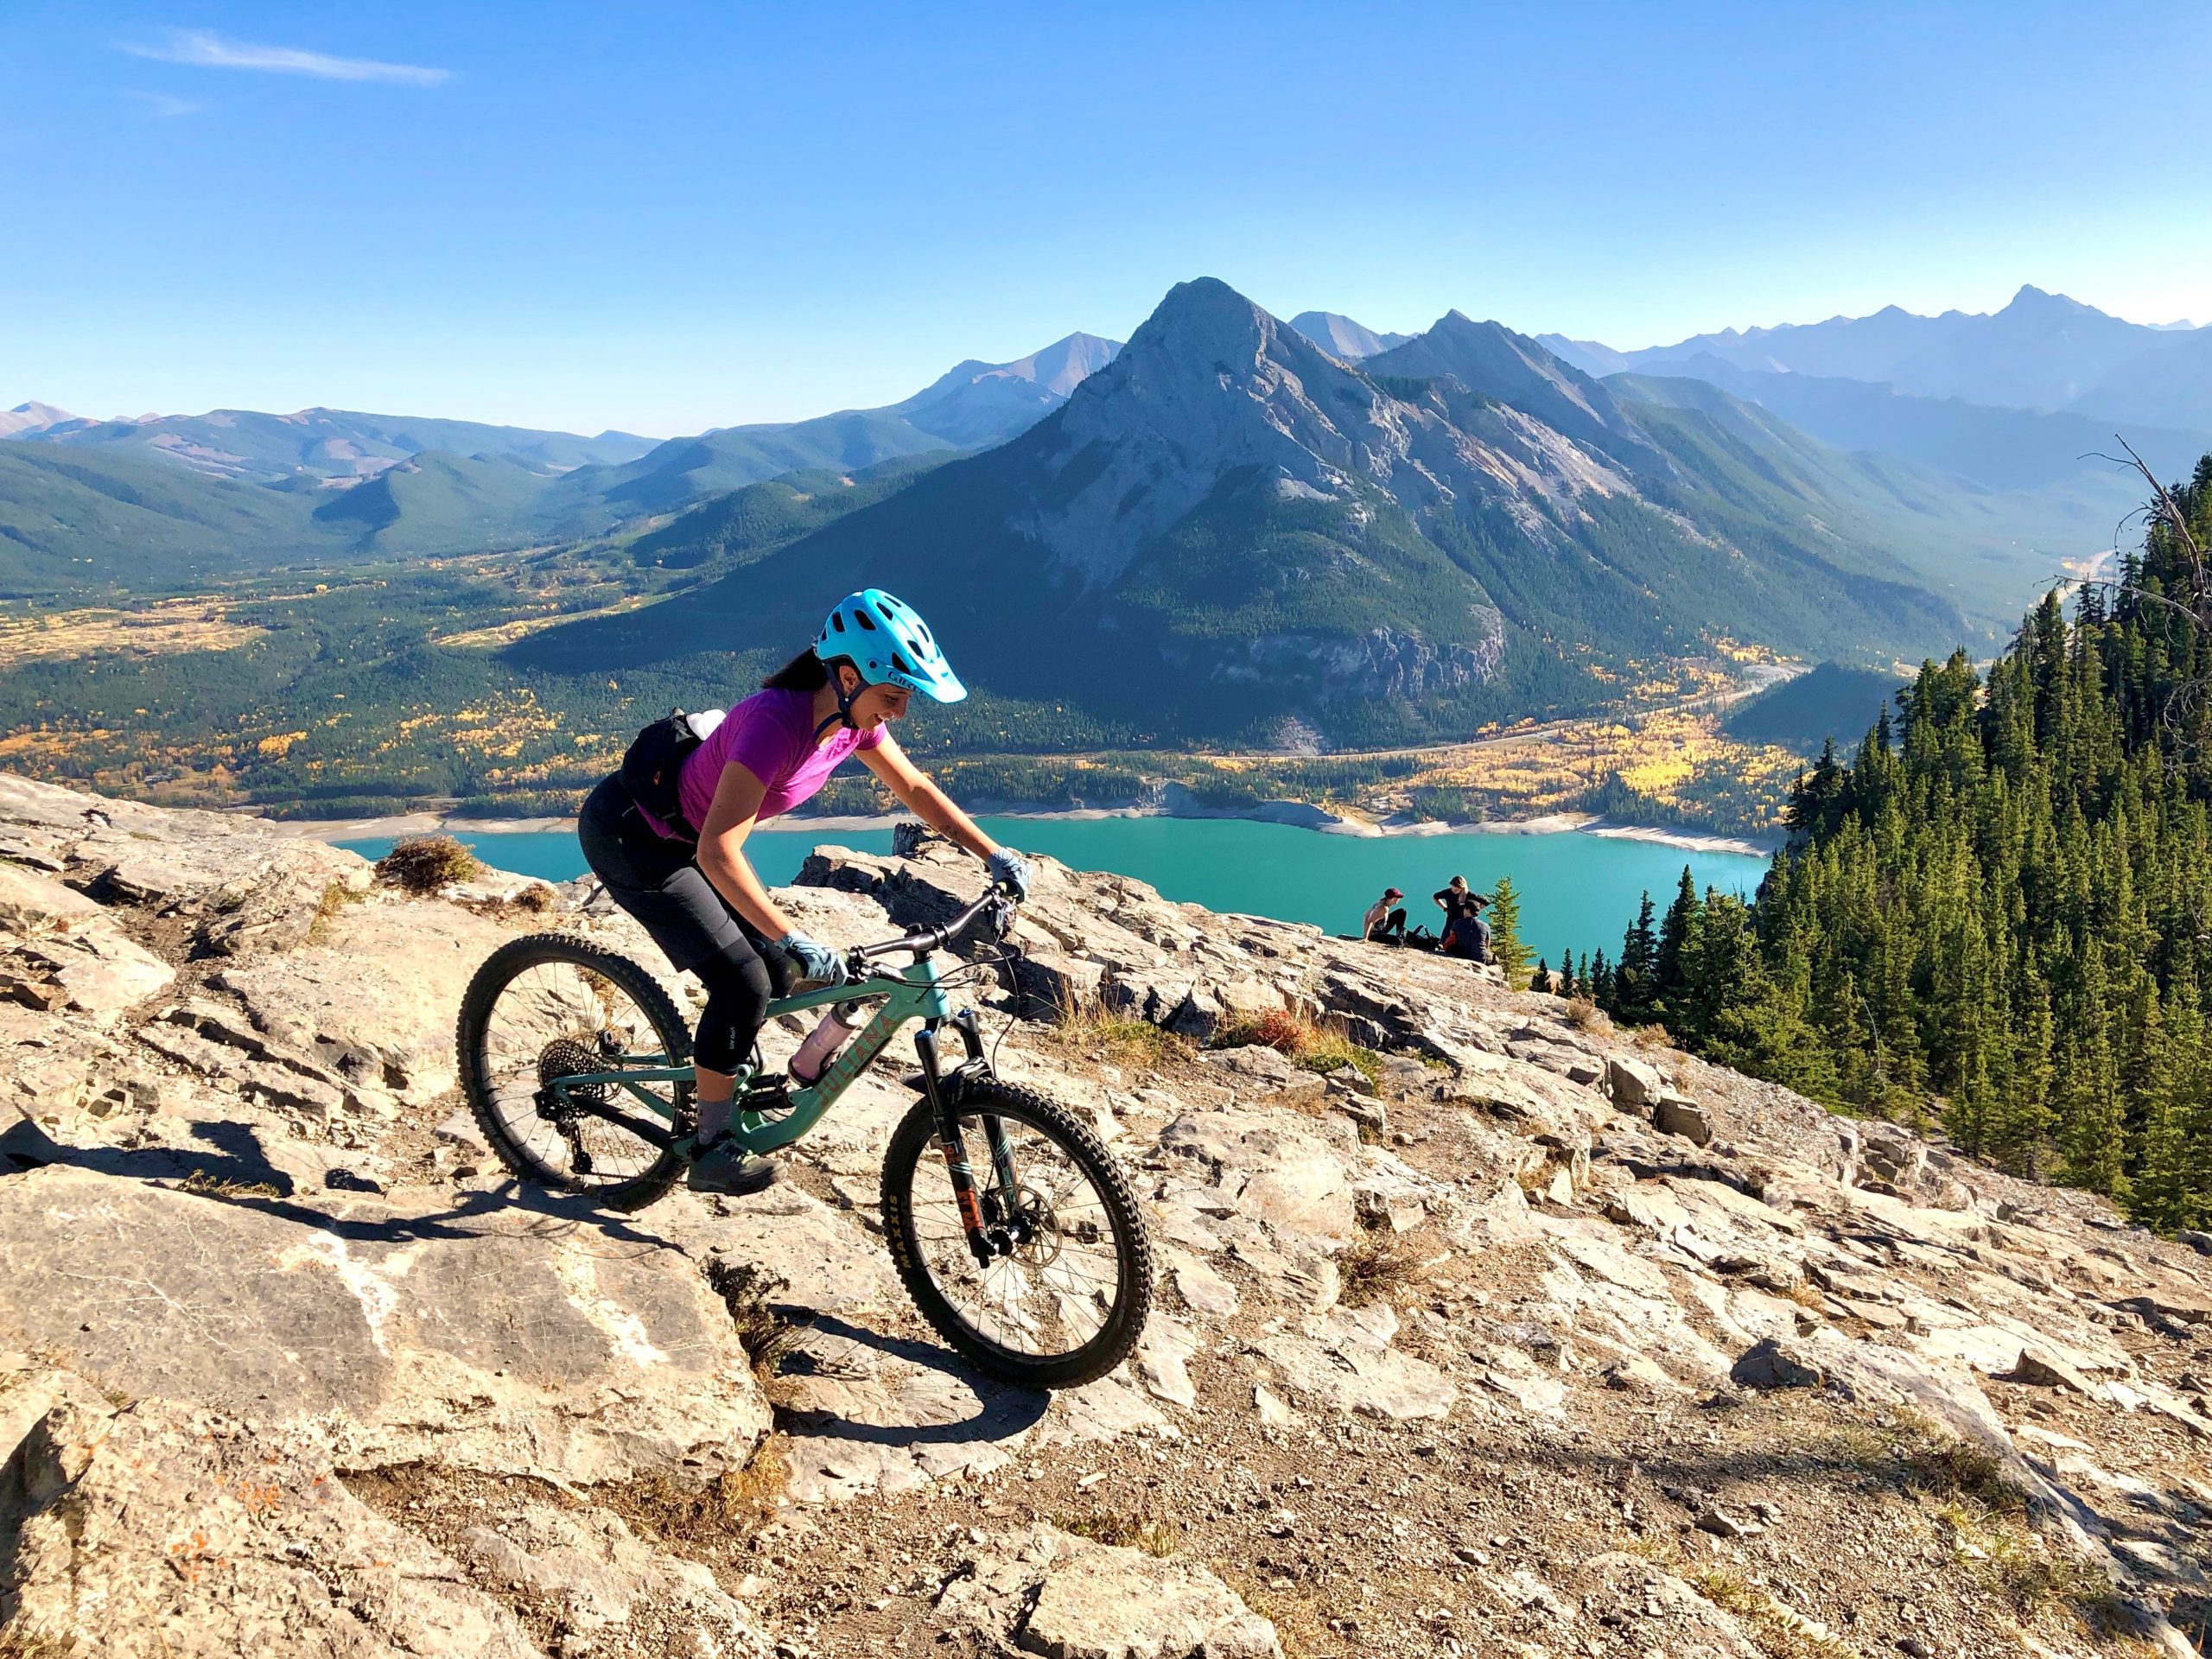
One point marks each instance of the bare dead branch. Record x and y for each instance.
(2169, 510)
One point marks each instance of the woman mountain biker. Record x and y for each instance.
(701, 901)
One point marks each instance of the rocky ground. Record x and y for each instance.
(1539, 1343)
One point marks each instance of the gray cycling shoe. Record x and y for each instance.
(724, 1166)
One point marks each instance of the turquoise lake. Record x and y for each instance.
(1578, 890)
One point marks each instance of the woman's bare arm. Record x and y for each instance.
(924, 798)
(738, 795)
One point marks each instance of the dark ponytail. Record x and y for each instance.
(804, 672)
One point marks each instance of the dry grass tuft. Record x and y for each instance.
(1960, 1469)
(1378, 1266)
(708, 1520)
(1300, 1625)
(1089, 1028)
(1777, 1631)
(2022, 1568)
(1147, 1533)
(536, 898)
(423, 864)
(31, 1644)
(217, 1186)
(336, 896)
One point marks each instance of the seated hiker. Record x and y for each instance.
(1383, 924)
(1465, 934)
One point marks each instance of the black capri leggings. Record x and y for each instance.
(657, 881)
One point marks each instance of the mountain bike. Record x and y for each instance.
(1011, 1226)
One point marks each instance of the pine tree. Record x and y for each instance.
(1670, 976)
(1633, 982)
(1506, 947)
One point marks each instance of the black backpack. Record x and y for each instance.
(653, 766)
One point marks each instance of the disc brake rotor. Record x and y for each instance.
(1041, 1247)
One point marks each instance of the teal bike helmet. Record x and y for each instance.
(887, 644)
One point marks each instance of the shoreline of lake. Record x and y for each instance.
(1301, 815)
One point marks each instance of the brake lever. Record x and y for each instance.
(999, 917)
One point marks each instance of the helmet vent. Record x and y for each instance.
(865, 620)
(838, 622)
(899, 663)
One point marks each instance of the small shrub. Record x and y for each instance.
(1317, 1048)
(1377, 1266)
(1278, 1028)
(1584, 1015)
(425, 864)
(766, 1335)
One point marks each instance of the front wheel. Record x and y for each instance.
(1064, 1297)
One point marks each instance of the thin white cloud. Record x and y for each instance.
(206, 49)
(167, 106)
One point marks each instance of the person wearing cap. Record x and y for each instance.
(1383, 924)
(1465, 934)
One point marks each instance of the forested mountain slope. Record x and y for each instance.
(86, 522)
(1995, 914)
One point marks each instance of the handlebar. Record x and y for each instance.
(997, 897)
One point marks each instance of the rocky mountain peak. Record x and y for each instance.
(30, 417)
(1210, 385)
(1516, 1313)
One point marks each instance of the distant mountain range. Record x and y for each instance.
(2041, 351)
(1231, 521)
(87, 504)
(1229, 524)
(334, 445)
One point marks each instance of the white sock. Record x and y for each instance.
(714, 1119)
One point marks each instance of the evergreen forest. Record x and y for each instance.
(1995, 914)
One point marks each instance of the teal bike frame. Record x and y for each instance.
(912, 993)
(769, 1118)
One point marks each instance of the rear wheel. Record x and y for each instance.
(548, 1007)
(1065, 1296)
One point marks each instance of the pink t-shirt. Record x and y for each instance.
(771, 735)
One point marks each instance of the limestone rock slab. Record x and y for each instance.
(160, 1532)
(499, 1342)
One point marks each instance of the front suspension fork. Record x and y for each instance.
(984, 1231)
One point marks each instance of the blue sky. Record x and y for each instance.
(665, 217)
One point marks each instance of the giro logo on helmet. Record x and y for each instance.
(887, 644)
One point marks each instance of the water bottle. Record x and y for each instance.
(824, 1042)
